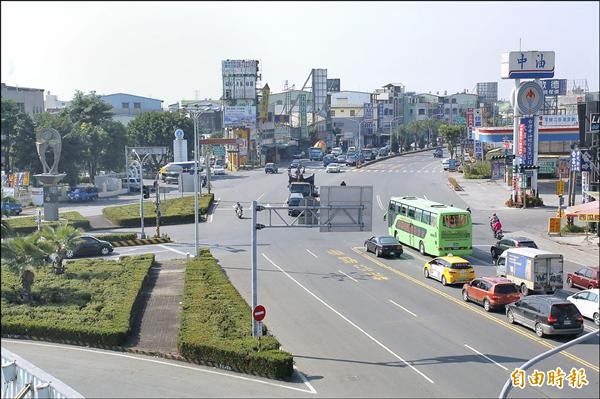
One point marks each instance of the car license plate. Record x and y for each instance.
(391, 252)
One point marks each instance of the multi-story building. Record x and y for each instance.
(29, 100)
(53, 105)
(418, 107)
(347, 113)
(127, 106)
(487, 93)
(390, 107)
(209, 121)
(456, 105)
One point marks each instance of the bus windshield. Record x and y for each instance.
(454, 221)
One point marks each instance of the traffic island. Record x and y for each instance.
(28, 224)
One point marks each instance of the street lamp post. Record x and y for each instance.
(141, 162)
(195, 114)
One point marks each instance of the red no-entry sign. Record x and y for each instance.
(259, 312)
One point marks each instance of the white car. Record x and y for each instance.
(333, 168)
(586, 302)
(446, 163)
(218, 170)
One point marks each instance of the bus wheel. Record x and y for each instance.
(421, 248)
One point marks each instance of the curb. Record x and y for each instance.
(145, 352)
(146, 241)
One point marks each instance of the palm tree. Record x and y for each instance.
(22, 255)
(60, 241)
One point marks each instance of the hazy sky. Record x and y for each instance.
(173, 50)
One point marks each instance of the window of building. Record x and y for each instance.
(125, 105)
(455, 111)
(447, 110)
(411, 111)
(341, 110)
(279, 102)
(331, 113)
(421, 111)
(137, 105)
(352, 112)
(454, 101)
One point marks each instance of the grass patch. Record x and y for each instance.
(91, 303)
(173, 211)
(477, 170)
(216, 325)
(28, 224)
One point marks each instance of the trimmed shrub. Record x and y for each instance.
(173, 211)
(112, 237)
(572, 229)
(27, 225)
(215, 325)
(92, 303)
(478, 170)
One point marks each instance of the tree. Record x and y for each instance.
(452, 134)
(22, 255)
(59, 241)
(20, 140)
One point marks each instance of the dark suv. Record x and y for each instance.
(90, 246)
(510, 242)
(546, 315)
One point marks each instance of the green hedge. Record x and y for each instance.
(112, 237)
(216, 325)
(478, 170)
(28, 224)
(92, 303)
(572, 229)
(173, 211)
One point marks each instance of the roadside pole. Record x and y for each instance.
(255, 324)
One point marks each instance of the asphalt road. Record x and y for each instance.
(358, 326)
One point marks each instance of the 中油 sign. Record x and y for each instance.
(527, 65)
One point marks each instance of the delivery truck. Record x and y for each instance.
(532, 270)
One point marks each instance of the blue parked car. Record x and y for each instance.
(329, 158)
(11, 206)
(81, 194)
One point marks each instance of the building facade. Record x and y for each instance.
(29, 100)
(126, 107)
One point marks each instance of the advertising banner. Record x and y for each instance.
(368, 115)
(380, 116)
(242, 136)
(554, 87)
(303, 123)
(239, 116)
(497, 169)
(526, 132)
(558, 120)
(470, 122)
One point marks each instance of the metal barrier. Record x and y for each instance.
(22, 379)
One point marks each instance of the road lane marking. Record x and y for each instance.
(379, 202)
(165, 363)
(424, 196)
(172, 249)
(351, 278)
(258, 199)
(310, 387)
(403, 308)
(308, 250)
(482, 313)
(484, 356)
(348, 320)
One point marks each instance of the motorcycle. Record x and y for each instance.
(497, 229)
(238, 210)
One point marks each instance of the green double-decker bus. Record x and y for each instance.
(431, 227)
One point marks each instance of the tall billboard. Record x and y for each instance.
(303, 122)
(368, 117)
(239, 116)
(333, 85)
(239, 79)
(319, 89)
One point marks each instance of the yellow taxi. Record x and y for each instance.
(449, 270)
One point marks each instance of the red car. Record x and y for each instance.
(586, 278)
(491, 292)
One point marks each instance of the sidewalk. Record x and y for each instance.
(489, 195)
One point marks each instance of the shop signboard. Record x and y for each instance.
(554, 87)
(526, 130)
(527, 65)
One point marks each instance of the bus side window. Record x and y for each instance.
(426, 217)
(403, 210)
(418, 214)
(411, 212)
(434, 220)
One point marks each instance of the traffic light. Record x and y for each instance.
(146, 191)
(509, 157)
(523, 168)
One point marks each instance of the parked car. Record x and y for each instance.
(333, 168)
(271, 168)
(384, 246)
(11, 206)
(587, 303)
(83, 193)
(384, 151)
(134, 183)
(438, 153)
(300, 155)
(341, 159)
(218, 170)
(546, 315)
(295, 164)
(511, 242)
(491, 292)
(586, 277)
(90, 246)
(449, 270)
(295, 199)
(446, 163)
(171, 177)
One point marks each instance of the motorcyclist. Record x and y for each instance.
(493, 220)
